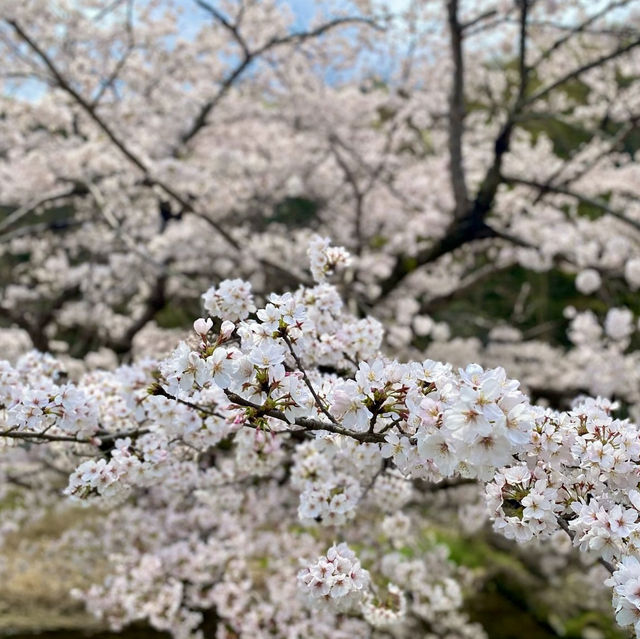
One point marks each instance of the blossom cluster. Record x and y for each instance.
(145, 166)
(336, 576)
(35, 401)
(230, 300)
(296, 400)
(325, 259)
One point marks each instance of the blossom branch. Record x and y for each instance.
(305, 422)
(249, 56)
(596, 203)
(319, 402)
(576, 73)
(118, 143)
(96, 440)
(565, 526)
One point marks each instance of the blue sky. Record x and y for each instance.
(192, 20)
(303, 9)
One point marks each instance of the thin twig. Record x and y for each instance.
(319, 403)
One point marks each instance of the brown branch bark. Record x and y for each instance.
(306, 422)
(471, 225)
(457, 113)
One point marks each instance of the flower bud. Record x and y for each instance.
(227, 328)
(202, 326)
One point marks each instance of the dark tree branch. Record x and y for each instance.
(457, 113)
(471, 225)
(201, 119)
(23, 211)
(36, 326)
(249, 56)
(576, 73)
(320, 404)
(561, 190)
(231, 27)
(522, 51)
(119, 144)
(305, 422)
(580, 28)
(480, 18)
(46, 437)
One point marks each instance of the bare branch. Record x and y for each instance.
(201, 119)
(231, 27)
(319, 402)
(249, 56)
(46, 437)
(522, 52)
(479, 18)
(23, 211)
(457, 114)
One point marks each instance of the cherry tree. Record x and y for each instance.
(286, 413)
(273, 472)
(153, 161)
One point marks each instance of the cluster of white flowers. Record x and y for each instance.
(436, 594)
(392, 491)
(231, 300)
(427, 419)
(337, 577)
(111, 481)
(521, 504)
(470, 424)
(351, 435)
(619, 324)
(283, 409)
(397, 528)
(625, 582)
(64, 407)
(35, 403)
(382, 614)
(609, 532)
(332, 502)
(330, 473)
(101, 477)
(325, 259)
